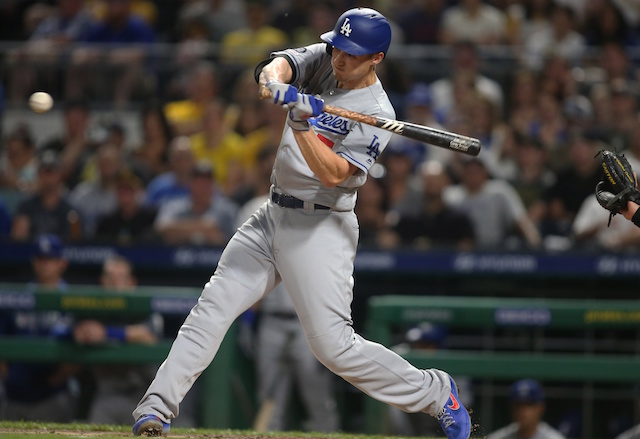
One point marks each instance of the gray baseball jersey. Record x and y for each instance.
(360, 144)
(313, 252)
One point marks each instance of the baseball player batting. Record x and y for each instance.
(306, 234)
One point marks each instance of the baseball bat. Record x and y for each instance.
(265, 413)
(421, 133)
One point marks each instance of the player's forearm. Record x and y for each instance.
(329, 167)
(631, 210)
(278, 70)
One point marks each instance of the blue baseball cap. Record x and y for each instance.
(527, 390)
(427, 333)
(48, 246)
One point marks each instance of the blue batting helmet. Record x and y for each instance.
(360, 31)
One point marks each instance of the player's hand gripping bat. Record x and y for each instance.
(421, 133)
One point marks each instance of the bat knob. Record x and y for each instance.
(264, 93)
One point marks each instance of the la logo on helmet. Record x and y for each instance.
(346, 28)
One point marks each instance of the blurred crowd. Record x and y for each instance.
(544, 84)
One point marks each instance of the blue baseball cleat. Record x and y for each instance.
(454, 418)
(150, 425)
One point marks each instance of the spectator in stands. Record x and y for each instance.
(527, 409)
(293, 16)
(12, 26)
(118, 387)
(19, 164)
(536, 17)
(220, 146)
(556, 78)
(465, 68)
(250, 45)
(245, 109)
(624, 113)
(120, 25)
(418, 108)
(261, 183)
(74, 145)
(578, 112)
(523, 101)
(95, 199)
(550, 127)
(193, 40)
(614, 61)
(222, 16)
(131, 222)
(196, 87)
(421, 22)
(175, 182)
(473, 20)
(561, 40)
(494, 207)
(146, 10)
(40, 391)
(151, 157)
(126, 33)
(606, 23)
(315, 22)
(68, 23)
(399, 159)
(112, 133)
(206, 217)
(600, 97)
(436, 225)
(574, 183)
(34, 63)
(488, 127)
(532, 176)
(372, 209)
(48, 210)
(266, 135)
(592, 230)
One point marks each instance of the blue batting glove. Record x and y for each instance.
(307, 106)
(282, 94)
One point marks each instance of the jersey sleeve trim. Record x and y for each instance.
(293, 63)
(353, 161)
(264, 62)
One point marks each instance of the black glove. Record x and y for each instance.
(618, 184)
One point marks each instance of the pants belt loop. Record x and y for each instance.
(308, 206)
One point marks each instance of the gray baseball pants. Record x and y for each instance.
(313, 252)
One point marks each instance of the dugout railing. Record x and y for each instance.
(574, 346)
(586, 352)
(221, 403)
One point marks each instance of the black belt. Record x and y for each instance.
(286, 200)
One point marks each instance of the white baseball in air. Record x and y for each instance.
(40, 102)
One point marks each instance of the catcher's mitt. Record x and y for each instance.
(618, 184)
